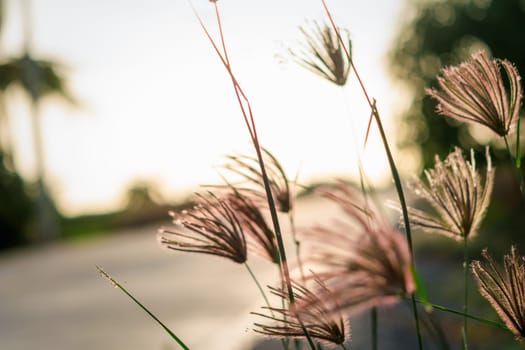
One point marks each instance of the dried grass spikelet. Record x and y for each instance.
(249, 171)
(474, 91)
(322, 52)
(211, 227)
(455, 190)
(504, 290)
(365, 262)
(260, 237)
(318, 319)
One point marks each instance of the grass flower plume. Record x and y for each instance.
(474, 91)
(321, 324)
(249, 171)
(505, 290)
(456, 191)
(260, 237)
(211, 227)
(322, 52)
(364, 263)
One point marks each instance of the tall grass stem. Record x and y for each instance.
(247, 113)
(472, 317)
(119, 286)
(374, 325)
(516, 164)
(391, 162)
(465, 299)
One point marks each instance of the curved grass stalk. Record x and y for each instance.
(373, 315)
(465, 299)
(469, 316)
(246, 110)
(516, 164)
(261, 290)
(119, 286)
(393, 168)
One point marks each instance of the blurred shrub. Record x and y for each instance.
(15, 207)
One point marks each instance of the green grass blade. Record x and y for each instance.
(119, 286)
(420, 290)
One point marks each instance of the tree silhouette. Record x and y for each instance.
(38, 79)
(441, 33)
(444, 33)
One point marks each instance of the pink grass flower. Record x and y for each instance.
(318, 319)
(322, 52)
(364, 263)
(247, 168)
(474, 91)
(455, 189)
(211, 227)
(260, 237)
(504, 288)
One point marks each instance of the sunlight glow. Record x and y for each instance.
(157, 105)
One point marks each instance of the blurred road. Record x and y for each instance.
(52, 297)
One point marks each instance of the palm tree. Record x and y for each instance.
(38, 79)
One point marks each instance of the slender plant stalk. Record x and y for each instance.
(246, 110)
(297, 243)
(472, 317)
(373, 315)
(261, 290)
(518, 149)
(465, 299)
(119, 286)
(517, 162)
(393, 167)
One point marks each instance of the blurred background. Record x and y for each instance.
(113, 113)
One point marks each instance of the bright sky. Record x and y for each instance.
(157, 105)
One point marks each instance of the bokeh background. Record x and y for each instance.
(113, 113)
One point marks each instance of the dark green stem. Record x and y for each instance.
(465, 295)
(517, 166)
(472, 317)
(373, 314)
(402, 201)
(119, 286)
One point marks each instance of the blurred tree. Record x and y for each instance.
(441, 33)
(38, 79)
(15, 208)
(438, 33)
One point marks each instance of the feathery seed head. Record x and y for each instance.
(504, 290)
(455, 190)
(364, 263)
(474, 91)
(260, 237)
(317, 317)
(249, 170)
(211, 227)
(322, 52)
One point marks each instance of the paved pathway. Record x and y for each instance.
(53, 298)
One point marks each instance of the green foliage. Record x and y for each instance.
(443, 33)
(37, 77)
(15, 207)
